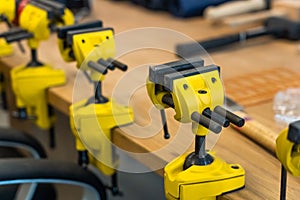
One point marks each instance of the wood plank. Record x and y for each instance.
(262, 169)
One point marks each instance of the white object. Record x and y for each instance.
(234, 8)
(287, 106)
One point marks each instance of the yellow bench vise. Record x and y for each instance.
(36, 20)
(92, 119)
(38, 17)
(29, 85)
(288, 153)
(288, 148)
(196, 93)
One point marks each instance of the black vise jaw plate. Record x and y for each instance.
(63, 31)
(166, 73)
(294, 132)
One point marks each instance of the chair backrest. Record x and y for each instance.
(30, 173)
(19, 140)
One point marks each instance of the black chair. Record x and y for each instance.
(32, 178)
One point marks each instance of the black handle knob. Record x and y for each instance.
(18, 36)
(97, 67)
(233, 118)
(106, 64)
(216, 117)
(118, 64)
(206, 122)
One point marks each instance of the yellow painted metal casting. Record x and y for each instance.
(92, 45)
(8, 9)
(92, 124)
(36, 21)
(288, 153)
(201, 182)
(187, 98)
(29, 85)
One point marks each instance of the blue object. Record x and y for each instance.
(157, 4)
(152, 4)
(189, 8)
(180, 8)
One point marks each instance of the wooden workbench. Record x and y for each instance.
(262, 169)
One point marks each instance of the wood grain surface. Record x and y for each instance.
(262, 86)
(255, 56)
